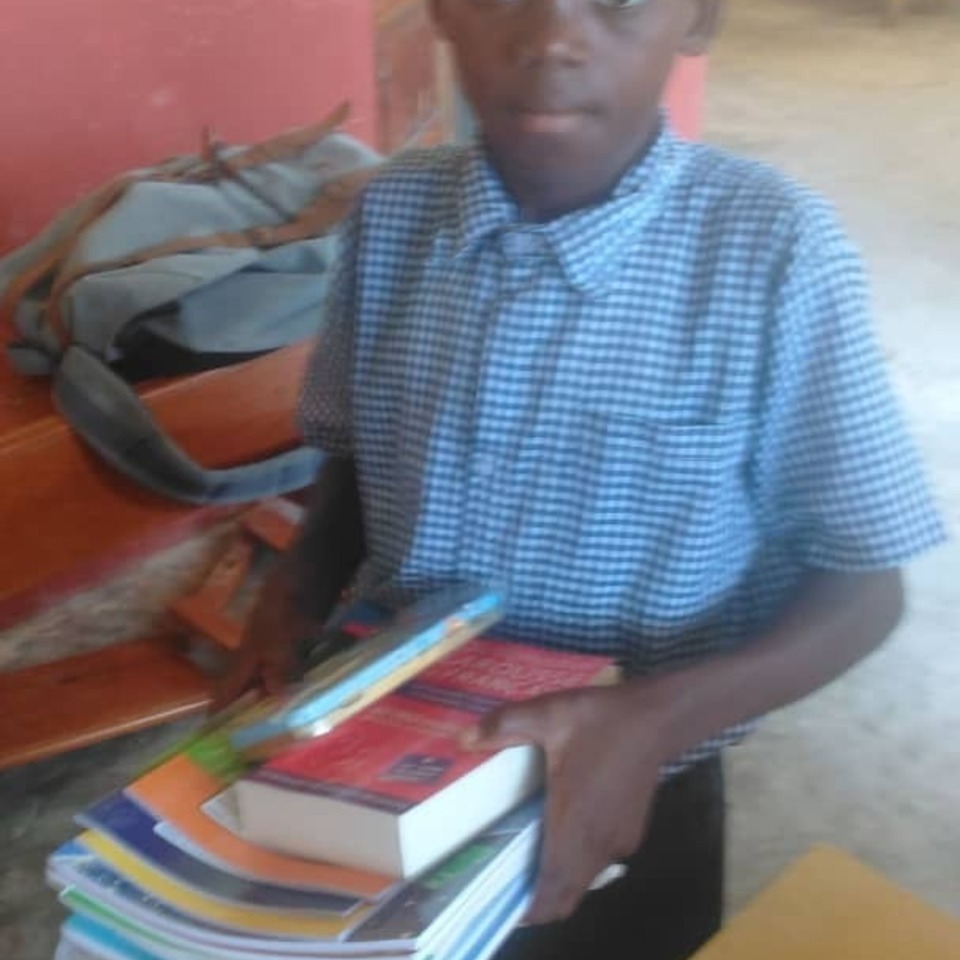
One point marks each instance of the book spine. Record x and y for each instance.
(409, 647)
(458, 625)
(334, 791)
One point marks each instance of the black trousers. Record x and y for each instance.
(670, 900)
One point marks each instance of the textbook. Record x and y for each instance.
(485, 882)
(85, 938)
(391, 652)
(166, 870)
(175, 794)
(390, 790)
(139, 832)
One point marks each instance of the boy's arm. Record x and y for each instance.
(834, 620)
(301, 590)
(303, 586)
(834, 479)
(605, 747)
(330, 545)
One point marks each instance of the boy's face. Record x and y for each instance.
(567, 91)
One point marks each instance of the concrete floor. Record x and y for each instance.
(869, 116)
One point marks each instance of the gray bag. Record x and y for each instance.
(195, 263)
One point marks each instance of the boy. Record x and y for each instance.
(633, 380)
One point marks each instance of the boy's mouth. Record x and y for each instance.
(550, 116)
(549, 122)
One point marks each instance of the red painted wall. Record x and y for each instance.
(88, 89)
(685, 96)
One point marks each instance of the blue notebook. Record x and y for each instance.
(391, 654)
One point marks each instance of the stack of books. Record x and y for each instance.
(310, 827)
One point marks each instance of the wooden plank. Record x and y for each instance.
(829, 905)
(67, 518)
(275, 522)
(80, 700)
(207, 611)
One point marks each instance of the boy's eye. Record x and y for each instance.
(620, 4)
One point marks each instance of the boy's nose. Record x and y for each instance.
(550, 30)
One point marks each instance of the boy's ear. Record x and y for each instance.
(704, 26)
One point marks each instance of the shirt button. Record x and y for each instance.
(520, 244)
(484, 465)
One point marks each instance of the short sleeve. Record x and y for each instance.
(325, 414)
(835, 470)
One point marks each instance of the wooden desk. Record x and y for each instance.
(829, 906)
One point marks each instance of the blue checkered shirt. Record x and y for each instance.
(645, 419)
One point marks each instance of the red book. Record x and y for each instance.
(390, 790)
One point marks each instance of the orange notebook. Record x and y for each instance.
(829, 906)
(175, 791)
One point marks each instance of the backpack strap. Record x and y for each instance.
(100, 406)
(48, 262)
(113, 420)
(285, 146)
(324, 212)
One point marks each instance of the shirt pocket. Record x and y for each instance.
(667, 523)
(671, 459)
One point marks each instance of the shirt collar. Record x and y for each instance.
(483, 205)
(589, 244)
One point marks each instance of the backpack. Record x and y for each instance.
(197, 262)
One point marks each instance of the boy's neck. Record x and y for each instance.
(547, 192)
(541, 200)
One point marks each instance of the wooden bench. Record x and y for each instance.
(70, 522)
(71, 703)
(74, 701)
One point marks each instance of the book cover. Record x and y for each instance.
(103, 942)
(89, 887)
(432, 912)
(207, 908)
(111, 938)
(135, 828)
(405, 748)
(175, 793)
(503, 852)
(391, 790)
(140, 933)
(67, 950)
(484, 938)
(390, 653)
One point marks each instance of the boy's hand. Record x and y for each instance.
(303, 587)
(266, 659)
(603, 764)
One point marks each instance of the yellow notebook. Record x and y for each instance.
(829, 906)
(197, 904)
